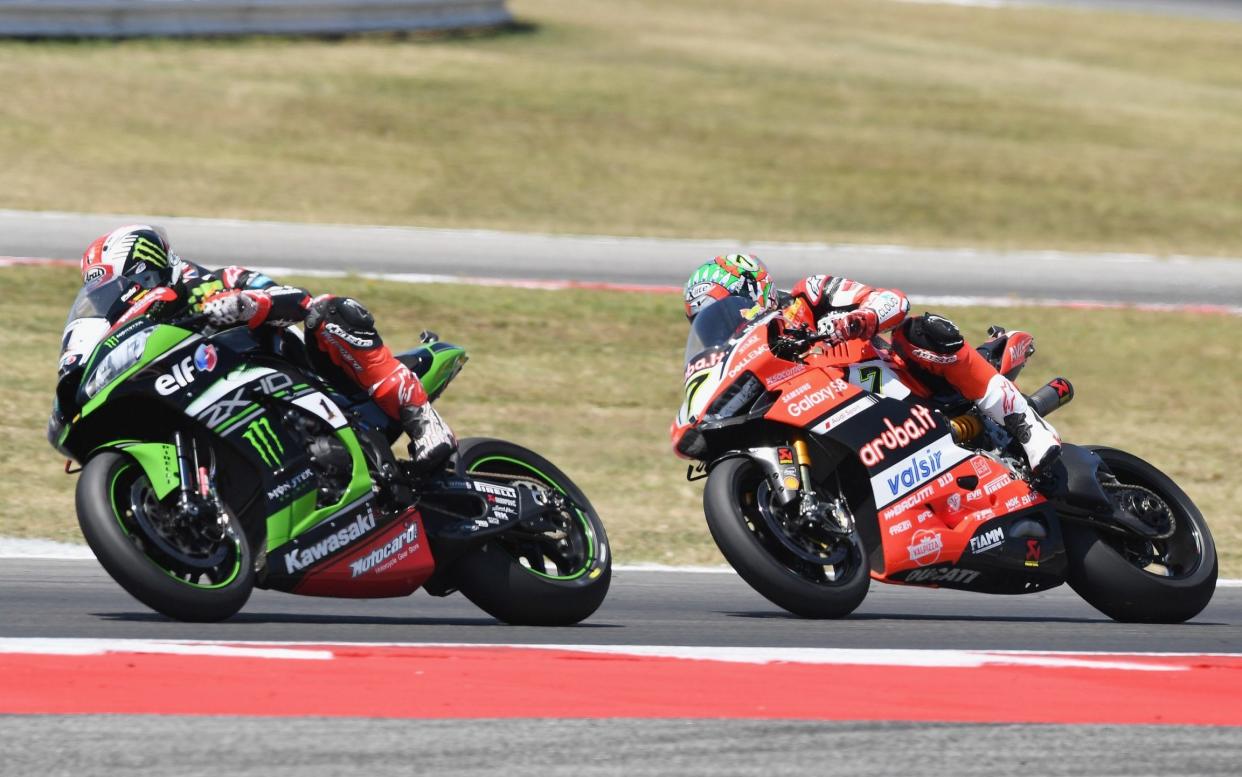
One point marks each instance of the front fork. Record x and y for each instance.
(789, 472)
(198, 484)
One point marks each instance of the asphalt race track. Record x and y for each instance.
(65, 598)
(649, 262)
(62, 598)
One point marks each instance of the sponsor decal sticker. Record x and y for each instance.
(898, 528)
(704, 363)
(897, 437)
(942, 575)
(988, 540)
(925, 546)
(285, 488)
(817, 398)
(911, 501)
(955, 502)
(783, 375)
(1032, 553)
(997, 484)
(263, 439)
(181, 375)
(736, 369)
(301, 558)
(981, 467)
(391, 550)
(205, 358)
(844, 414)
(931, 356)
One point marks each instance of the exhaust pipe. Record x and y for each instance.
(1054, 394)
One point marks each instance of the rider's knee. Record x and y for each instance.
(933, 333)
(344, 318)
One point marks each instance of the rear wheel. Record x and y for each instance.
(188, 570)
(1139, 580)
(555, 574)
(807, 576)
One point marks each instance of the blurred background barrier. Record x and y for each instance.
(133, 18)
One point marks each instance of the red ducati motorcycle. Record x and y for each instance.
(824, 470)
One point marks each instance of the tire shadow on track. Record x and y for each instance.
(329, 619)
(860, 617)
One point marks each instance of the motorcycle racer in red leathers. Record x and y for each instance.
(931, 347)
(340, 331)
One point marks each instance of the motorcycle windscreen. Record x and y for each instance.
(718, 323)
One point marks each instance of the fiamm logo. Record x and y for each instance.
(260, 435)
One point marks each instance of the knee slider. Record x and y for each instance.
(352, 314)
(935, 333)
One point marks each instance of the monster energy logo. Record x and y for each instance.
(111, 342)
(151, 253)
(260, 435)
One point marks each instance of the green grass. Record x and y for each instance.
(592, 379)
(819, 119)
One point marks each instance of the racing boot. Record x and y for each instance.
(432, 443)
(1005, 404)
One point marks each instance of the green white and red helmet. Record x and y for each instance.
(731, 274)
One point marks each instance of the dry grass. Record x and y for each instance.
(824, 119)
(592, 379)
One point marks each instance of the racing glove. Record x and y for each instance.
(235, 307)
(860, 324)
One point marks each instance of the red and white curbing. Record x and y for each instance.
(565, 285)
(430, 680)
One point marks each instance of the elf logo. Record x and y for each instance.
(182, 375)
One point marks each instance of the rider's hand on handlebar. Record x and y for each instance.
(855, 325)
(791, 343)
(231, 307)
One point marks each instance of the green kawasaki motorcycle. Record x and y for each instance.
(215, 462)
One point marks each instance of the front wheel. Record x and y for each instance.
(1139, 580)
(185, 570)
(804, 575)
(556, 576)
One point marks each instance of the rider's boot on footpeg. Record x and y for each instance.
(431, 441)
(1005, 404)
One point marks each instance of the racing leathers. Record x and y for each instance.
(340, 331)
(931, 347)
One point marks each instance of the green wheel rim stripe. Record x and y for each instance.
(586, 525)
(117, 514)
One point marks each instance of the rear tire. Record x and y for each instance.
(502, 575)
(110, 493)
(1104, 567)
(731, 506)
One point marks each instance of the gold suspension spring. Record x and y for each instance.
(966, 427)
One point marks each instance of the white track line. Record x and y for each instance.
(935, 658)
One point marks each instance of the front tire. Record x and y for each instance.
(733, 501)
(117, 512)
(538, 580)
(1135, 580)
